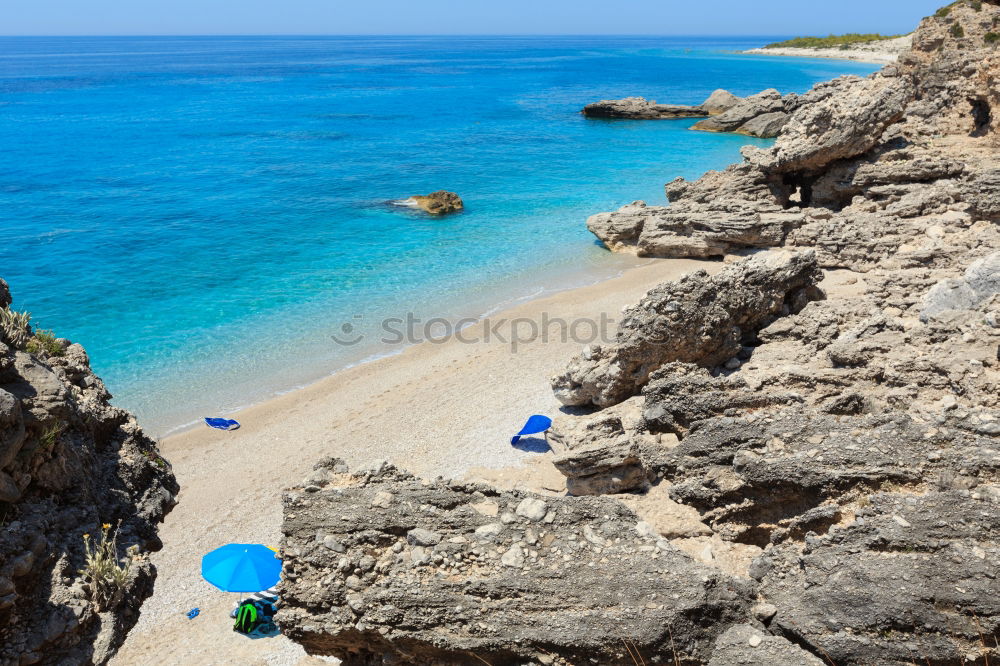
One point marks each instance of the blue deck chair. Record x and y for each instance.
(535, 424)
(222, 424)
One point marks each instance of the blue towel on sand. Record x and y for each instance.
(536, 423)
(222, 424)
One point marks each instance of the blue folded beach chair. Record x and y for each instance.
(222, 424)
(535, 424)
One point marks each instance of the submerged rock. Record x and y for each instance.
(438, 203)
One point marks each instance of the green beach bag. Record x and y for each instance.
(247, 618)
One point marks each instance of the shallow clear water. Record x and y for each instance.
(202, 214)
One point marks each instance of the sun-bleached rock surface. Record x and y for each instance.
(384, 568)
(69, 463)
(699, 319)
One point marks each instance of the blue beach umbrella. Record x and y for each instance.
(241, 567)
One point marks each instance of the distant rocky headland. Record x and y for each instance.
(866, 48)
(795, 460)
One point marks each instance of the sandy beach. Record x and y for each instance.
(435, 409)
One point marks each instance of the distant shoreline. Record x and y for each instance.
(881, 52)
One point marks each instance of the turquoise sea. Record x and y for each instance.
(204, 214)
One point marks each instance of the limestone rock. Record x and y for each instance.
(438, 203)
(748, 108)
(538, 590)
(849, 121)
(720, 101)
(698, 319)
(640, 108)
(980, 282)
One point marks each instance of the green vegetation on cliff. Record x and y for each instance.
(830, 42)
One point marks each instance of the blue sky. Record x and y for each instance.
(660, 17)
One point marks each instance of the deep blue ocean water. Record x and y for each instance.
(203, 213)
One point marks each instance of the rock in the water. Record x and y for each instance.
(570, 588)
(640, 108)
(438, 203)
(738, 115)
(698, 319)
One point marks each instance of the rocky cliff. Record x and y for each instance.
(795, 461)
(72, 467)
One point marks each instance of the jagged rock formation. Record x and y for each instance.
(437, 203)
(698, 319)
(383, 568)
(854, 445)
(862, 166)
(762, 115)
(835, 462)
(69, 462)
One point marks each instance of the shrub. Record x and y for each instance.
(991, 37)
(943, 12)
(44, 342)
(957, 31)
(15, 327)
(977, 5)
(106, 573)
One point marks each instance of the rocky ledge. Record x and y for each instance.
(761, 115)
(865, 171)
(70, 464)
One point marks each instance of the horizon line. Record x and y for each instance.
(401, 34)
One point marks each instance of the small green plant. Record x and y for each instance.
(50, 437)
(991, 37)
(943, 12)
(45, 342)
(977, 5)
(957, 31)
(106, 573)
(15, 327)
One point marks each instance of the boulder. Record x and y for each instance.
(980, 282)
(743, 645)
(720, 101)
(765, 126)
(438, 203)
(846, 122)
(748, 108)
(699, 319)
(588, 582)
